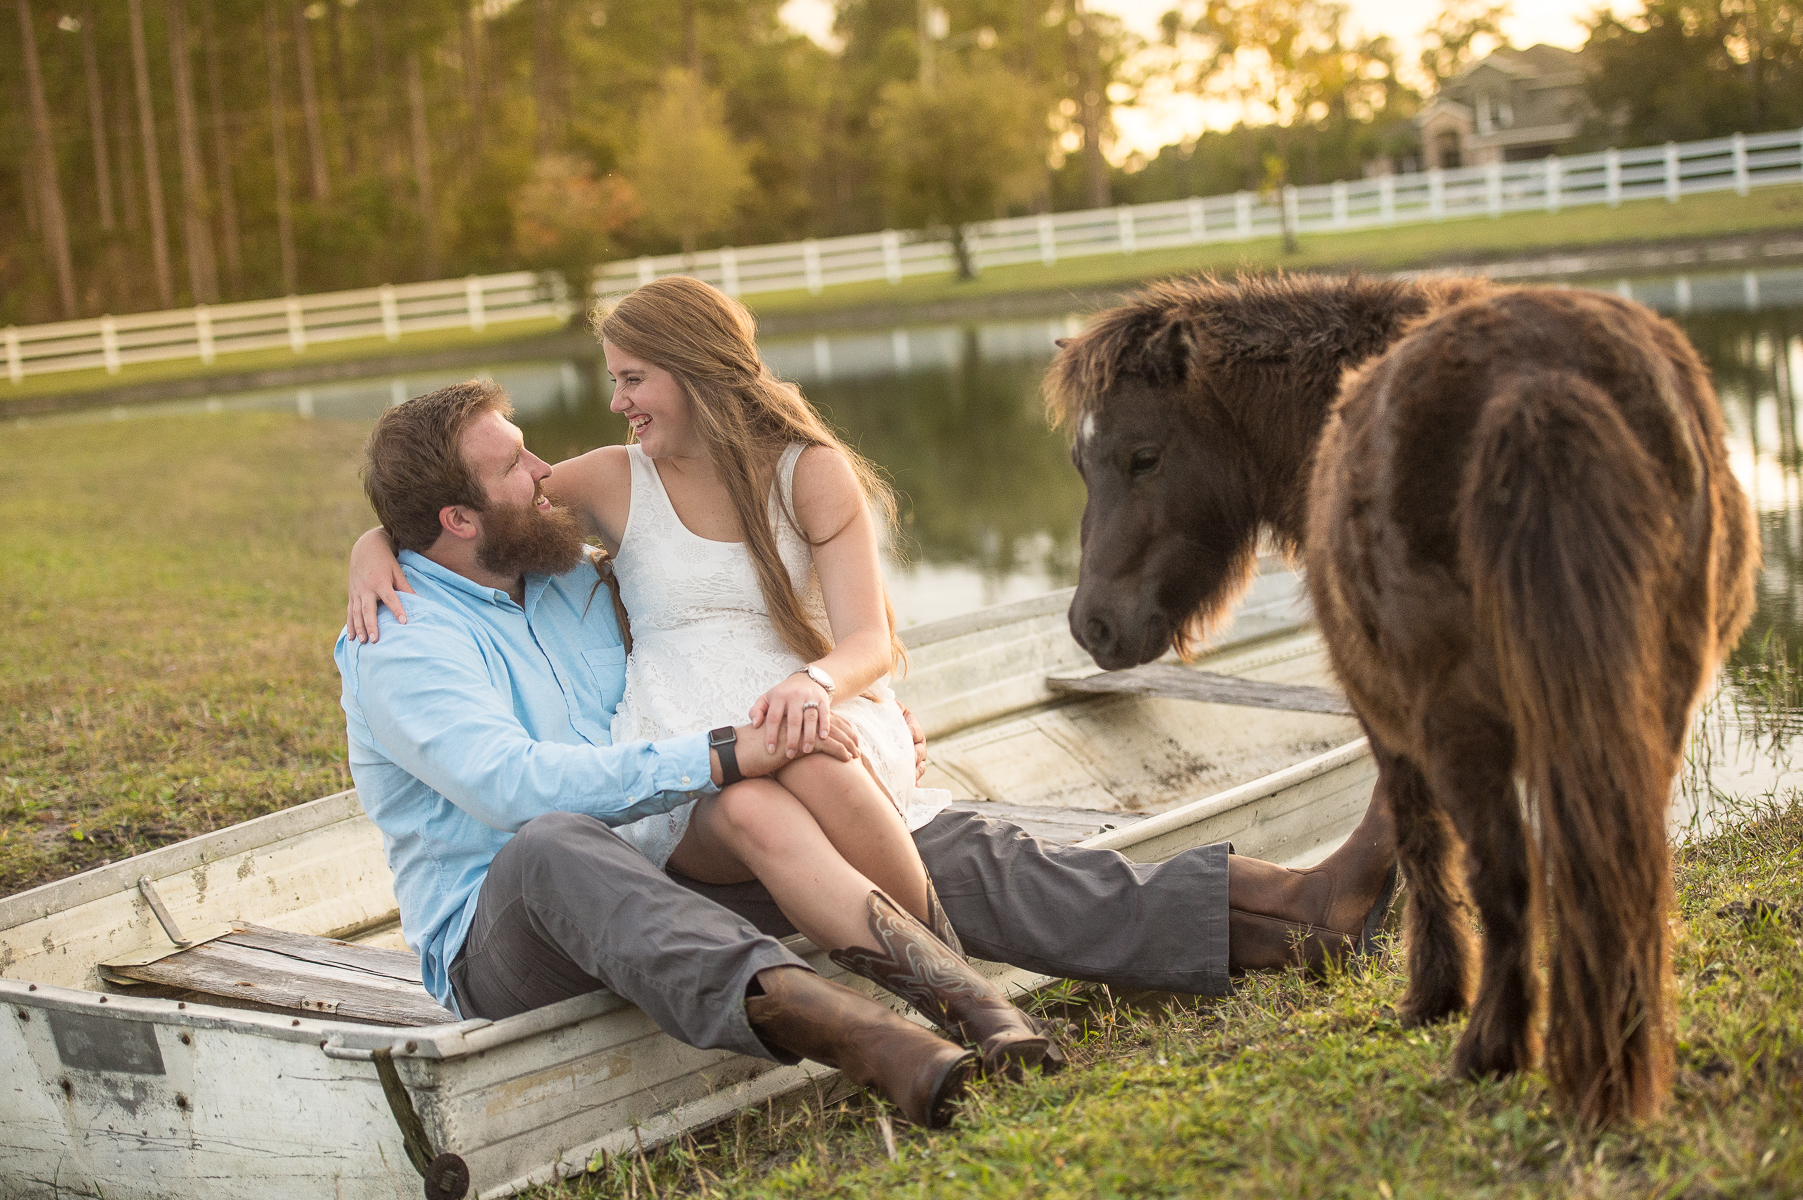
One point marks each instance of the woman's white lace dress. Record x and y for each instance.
(703, 647)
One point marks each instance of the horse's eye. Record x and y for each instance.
(1143, 462)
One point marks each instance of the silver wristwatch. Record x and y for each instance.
(818, 676)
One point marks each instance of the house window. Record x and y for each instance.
(1483, 112)
(1448, 150)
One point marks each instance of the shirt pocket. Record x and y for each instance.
(607, 671)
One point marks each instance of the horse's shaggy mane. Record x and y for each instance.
(1170, 330)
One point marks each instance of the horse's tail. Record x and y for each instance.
(1566, 526)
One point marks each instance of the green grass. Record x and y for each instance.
(1292, 1088)
(96, 379)
(172, 587)
(1713, 215)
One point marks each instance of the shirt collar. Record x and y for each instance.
(461, 583)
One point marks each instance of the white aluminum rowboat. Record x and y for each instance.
(104, 1092)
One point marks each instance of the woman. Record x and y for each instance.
(746, 544)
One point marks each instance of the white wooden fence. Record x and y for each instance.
(297, 322)
(1738, 163)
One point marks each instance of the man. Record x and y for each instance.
(480, 746)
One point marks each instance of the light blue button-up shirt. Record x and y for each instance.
(478, 715)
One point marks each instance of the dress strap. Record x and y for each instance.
(785, 481)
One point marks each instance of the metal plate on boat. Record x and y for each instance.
(95, 1043)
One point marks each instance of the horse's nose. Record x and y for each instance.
(1098, 635)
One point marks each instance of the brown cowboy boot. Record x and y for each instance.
(1283, 918)
(941, 927)
(909, 961)
(915, 1069)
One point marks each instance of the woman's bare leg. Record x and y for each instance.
(861, 822)
(758, 829)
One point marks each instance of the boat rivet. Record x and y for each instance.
(103, 999)
(68, 1088)
(23, 1015)
(181, 1102)
(186, 1040)
(412, 1046)
(34, 987)
(181, 1004)
(297, 1021)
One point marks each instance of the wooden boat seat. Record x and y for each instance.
(271, 969)
(1181, 683)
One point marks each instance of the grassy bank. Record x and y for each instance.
(1295, 1089)
(172, 588)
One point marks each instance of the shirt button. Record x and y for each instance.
(685, 780)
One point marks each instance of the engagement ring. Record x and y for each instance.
(810, 704)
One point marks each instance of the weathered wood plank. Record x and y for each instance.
(278, 979)
(392, 964)
(1181, 683)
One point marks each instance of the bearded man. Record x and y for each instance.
(480, 745)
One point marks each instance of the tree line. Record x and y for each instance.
(170, 152)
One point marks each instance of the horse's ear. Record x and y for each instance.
(1061, 343)
(1172, 352)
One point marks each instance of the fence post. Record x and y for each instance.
(1436, 193)
(1672, 181)
(1341, 206)
(203, 333)
(646, 274)
(1198, 220)
(297, 326)
(109, 344)
(1612, 176)
(1123, 223)
(1292, 208)
(472, 296)
(1749, 287)
(1386, 199)
(892, 256)
(810, 265)
(1740, 164)
(729, 271)
(1624, 289)
(391, 314)
(1493, 188)
(1048, 240)
(15, 365)
(1242, 215)
(1681, 294)
(1552, 183)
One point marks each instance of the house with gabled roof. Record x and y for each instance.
(1508, 106)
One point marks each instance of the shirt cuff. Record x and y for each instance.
(684, 764)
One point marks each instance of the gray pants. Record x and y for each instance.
(568, 908)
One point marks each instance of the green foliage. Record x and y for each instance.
(566, 220)
(1688, 69)
(689, 170)
(961, 149)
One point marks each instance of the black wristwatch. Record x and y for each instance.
(724, 741)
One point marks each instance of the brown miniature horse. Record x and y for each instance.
(1527, 555)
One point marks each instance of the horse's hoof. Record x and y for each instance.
(1413, 1013)
(1472, 1059)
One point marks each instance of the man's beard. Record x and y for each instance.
(518, 539)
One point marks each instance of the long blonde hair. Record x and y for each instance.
(746, 417)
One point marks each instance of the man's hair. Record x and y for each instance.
(413, 465)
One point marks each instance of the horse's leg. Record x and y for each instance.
(1471, 767)
(1439, 936)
